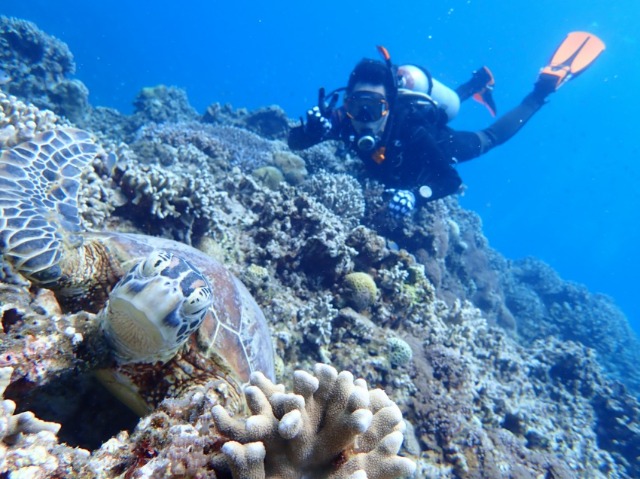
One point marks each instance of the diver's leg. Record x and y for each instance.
(480, 79)
(511, 122)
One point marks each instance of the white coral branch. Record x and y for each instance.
(331, 426)
(13, 426)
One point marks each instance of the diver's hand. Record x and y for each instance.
(402, 203)
(317, 124)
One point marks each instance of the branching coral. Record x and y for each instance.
(28, 445)
(181, 201)
(20, 122)
(331, 426)
(340, 193)
(12, 425)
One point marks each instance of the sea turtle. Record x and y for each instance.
(170, 314)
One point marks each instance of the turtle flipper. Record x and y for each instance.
(39, 182)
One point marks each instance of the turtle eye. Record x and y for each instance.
(198, 301)
(156, 262)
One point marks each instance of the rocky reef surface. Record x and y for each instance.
(500, 368)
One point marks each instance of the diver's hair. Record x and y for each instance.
(374, 72)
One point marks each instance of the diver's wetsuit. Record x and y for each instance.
(419, 148)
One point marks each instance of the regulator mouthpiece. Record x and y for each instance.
(366, 142)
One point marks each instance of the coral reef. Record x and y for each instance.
(28, 445)
(161, 104)
(331, 426)
(39, 66)
(340, 193)
(270, 122)
(400, 353)
(500, 368)
(20, 122)
(269, 175)
(545, 305)
(360, 289)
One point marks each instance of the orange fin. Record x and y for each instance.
(573, 56)
(485, 95)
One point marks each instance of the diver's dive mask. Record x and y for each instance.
(366, 106)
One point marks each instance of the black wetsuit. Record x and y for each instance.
(419, 148)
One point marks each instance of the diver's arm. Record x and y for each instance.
(323, 122)
(510, 123)
(466, 145)
(299, 139)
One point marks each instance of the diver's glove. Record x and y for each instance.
(318, 122)
(402, 203)
(317, 125)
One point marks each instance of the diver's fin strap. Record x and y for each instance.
(573, 56)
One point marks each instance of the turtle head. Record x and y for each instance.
(154, 309)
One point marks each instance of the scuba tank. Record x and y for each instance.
(416, 79)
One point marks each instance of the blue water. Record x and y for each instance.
(564, 190)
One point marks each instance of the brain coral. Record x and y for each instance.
(400, 352)
(360, 290)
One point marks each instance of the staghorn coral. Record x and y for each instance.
(315, 321)
(331, 426)
(246, 149)
(228, 146)
(330, 156)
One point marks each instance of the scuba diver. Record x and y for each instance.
(395, 119)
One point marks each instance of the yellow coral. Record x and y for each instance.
(292, 166)
(360, 290)
(269, 175)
